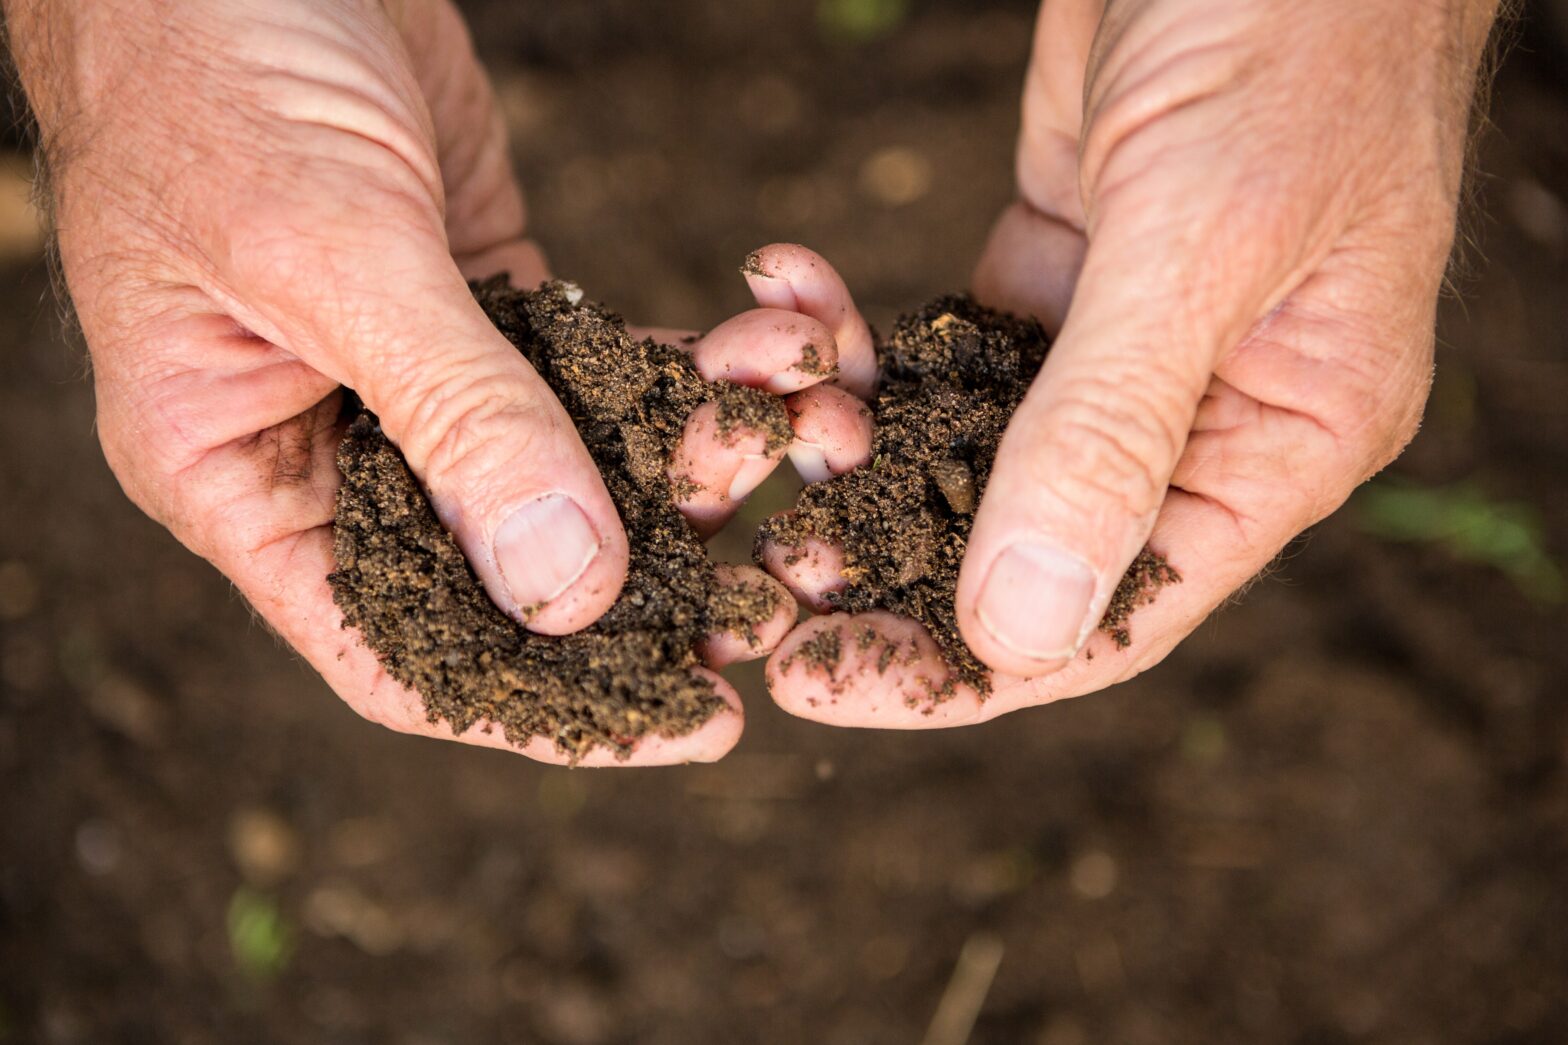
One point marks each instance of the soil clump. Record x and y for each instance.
(952, 375)
(403, 583)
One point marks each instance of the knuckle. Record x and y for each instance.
(1118, 441)
(1406, 426)
(1374, 404)
(1408, 405)
(466, 425)
(147, 475)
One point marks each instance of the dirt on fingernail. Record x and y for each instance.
(812, 364)
(952, 375)
(402, 582)
(752, 266)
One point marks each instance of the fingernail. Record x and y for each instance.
(543, 548)
(1035, 600)
(810, 461)
(770, 291)
(817, 363)
(753, 469)
(752, 267)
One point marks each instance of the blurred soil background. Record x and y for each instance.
(1338, 814)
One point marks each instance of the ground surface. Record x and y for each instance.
(1324, 819)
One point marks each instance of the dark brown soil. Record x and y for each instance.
(952, 375)
(1337, 813)
(739, 608)
(402, 581)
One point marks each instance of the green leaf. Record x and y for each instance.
(259, 935)
(1507, 536)
(859, 21)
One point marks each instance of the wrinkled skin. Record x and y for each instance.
(258, 204)
(1237, 212)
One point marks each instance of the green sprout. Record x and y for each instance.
(1508, 536)
(859, 21)
(259, 935)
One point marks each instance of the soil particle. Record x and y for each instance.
(403, 583)
(744, 410)
(812, 363)
(752, 266)
(738, 609)
(823, 650)
(1144, 579)
(953, 373)
(956, 481)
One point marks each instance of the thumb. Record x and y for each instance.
(1084, 466)
(497, 453)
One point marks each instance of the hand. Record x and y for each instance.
(260, 203)
(1238, 214)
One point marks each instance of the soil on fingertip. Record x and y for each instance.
(952, 375)
(403, 583)
(739, 608)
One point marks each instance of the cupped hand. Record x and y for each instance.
(259, 204)
(1237, 214)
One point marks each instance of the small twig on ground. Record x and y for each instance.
(966, 991)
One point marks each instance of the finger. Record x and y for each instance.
(485, 214)
(911, 686)
(752, 613)
(790, 277)
(369, 294)
(772, 349)
(1087, 458)
(868, 670)
(768, 349)
(265, 506)
(1051, 121)
(1079, 476)
(1325, 407)
(389, 315)
(1030, 265)
(305, 617)
(521, 261)
(707, 743)
(811, 571)
(716, 464)
(832, 432)
(1031, 260)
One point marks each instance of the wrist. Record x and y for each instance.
(27, 24)
(68, 55)
(1470, 29)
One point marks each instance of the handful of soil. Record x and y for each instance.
(402, 581)
(952, 375)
